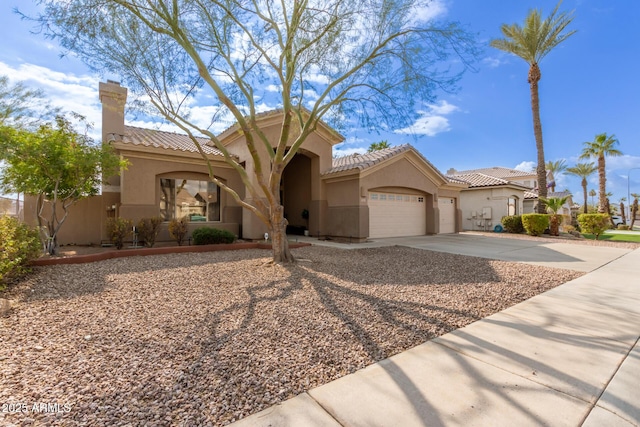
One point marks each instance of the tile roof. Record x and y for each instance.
(477, 180)
(366, 160)
(532, 194)
(161, 139)
(497, 172)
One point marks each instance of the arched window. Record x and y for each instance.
(198, 200)
(512, 206)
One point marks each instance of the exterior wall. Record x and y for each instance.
(140, 189)
(347, 212)
(478, 199)
(86, 223)
(316, 148)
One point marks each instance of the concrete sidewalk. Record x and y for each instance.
(568, 357)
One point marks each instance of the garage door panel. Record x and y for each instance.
(396, 215)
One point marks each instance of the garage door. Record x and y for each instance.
(396, 215)
(447, 208)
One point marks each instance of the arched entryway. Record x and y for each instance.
(295, 193)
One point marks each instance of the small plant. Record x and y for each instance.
(535, 224)
(595, 224)
(178, 229)
(513, 224)
(19, 244)
(212, 236)
(118, 230)
(148, 229)
(623, 227)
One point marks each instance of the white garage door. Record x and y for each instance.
(447, 208)
(396, 215)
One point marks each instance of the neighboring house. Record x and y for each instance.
(487, 199)
(391, 192)
(498, 191)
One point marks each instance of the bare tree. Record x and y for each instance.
(324, 59)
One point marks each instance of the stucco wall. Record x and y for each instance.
(494, 198)
(140, 184)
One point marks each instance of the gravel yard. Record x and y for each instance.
(203, 339)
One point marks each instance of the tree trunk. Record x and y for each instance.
(602, 177)
(584, 190)
(279, 242)
(554, 225)
(534, 78)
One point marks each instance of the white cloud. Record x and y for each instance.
(492, 62)
(526, 166)
(348, 151)
(432, 121)
(426, 11)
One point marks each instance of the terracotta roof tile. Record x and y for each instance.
(161, 139)
(366, 160)
(498, 172)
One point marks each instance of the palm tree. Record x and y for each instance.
(556, 168)
(592, 194)
(622, 214)
(554, 204)
(601, 147)
(634, 208)
(532, 42)
(584, 171)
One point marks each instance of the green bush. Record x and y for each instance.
(19, 244)
(118, 230)
(178, 229)
(148, 229)
(535, 224)
(594, 224)
(513, 224)
(212, 236)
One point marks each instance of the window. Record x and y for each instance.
(383, 197)
(392, 197)
(420, 199)
(374, 196)
(199, 200)
(512, 206)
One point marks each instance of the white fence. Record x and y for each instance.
(12, 206)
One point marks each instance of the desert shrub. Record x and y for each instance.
(535, 224)
(178, 229)
(148, 229)
(595, 223)
(118, 230)
(568, 229)
(211, 236)
(623, 227)
(19, 244)
(513, 223)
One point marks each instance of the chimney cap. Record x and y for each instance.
(113, 82)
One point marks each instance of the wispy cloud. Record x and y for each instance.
(432, 120)
(526, 166)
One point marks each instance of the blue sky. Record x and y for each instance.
(589, 85)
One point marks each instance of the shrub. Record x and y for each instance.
(118, 230)
(178, 229)
(595, 223)
(623, 227)
(535, 224)
(513, 224)
(211, 236)
(19, 244)
(148, 229)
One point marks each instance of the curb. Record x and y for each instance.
(123, 253)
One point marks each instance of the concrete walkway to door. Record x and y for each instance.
(567, 357)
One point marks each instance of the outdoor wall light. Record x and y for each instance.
(266, 236)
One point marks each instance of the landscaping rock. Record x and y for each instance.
(5, 307)
(202, 339)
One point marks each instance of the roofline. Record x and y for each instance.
(272, 117)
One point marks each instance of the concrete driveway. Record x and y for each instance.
(559, 254)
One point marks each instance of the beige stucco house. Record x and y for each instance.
(391, 192)
(498, 191)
